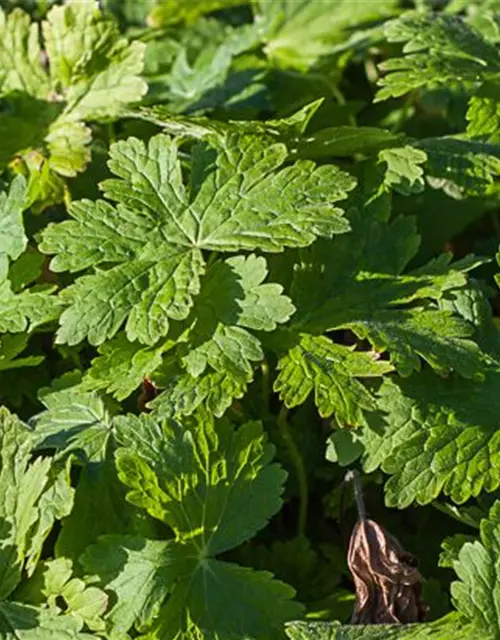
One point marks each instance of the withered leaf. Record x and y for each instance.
(149, 392)
(387, 580)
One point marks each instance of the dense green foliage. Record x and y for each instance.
(244, 246)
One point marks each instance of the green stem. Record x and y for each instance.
(264, 367)
(404, 113)
(111, 133)
(339, 96)
(66, 196)
(298, 463)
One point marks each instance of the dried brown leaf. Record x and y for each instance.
(387, 580)
(149, 392)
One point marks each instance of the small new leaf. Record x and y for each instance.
(73, 421)
(95, 69)
(54, 583)
(92, 74)
(404, 173)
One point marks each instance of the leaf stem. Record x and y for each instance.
(404, 113)
(66, 195)
(353, 476)
(111, 133)
(298, 463)
(339, 96)
(264, 367)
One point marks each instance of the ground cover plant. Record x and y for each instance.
(249, 342)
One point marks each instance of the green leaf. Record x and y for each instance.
(435, 336)
(214, 359)
(233, 468)
(288, 130)
(472, 304)
(95, 68)
(122, 366)
(331, 370)
(24, 124)
(451, 626)
(45, 187)
(26, 269)
(343, 447)
(23, 622)
(55, 503)
(13, 240)
(32, 498)
(318, 26)
(174, 11)
(198, 67)
(27, 309)
(18, 510)
(404, 173)
(204, 604)
(220, 349)
(54, 582)
(86, 604)
(440, 50)
(140, 572)
(99, 509)
(258, 306)
(207, 81)
(356, 282)
(347, 141)
(215, 486)
(439, 436)
(472, 166)
(67, 143)
(451, 546)
(483, 114)
(229, 351)
(73, 421)
(182, 393)
(476, 593)
(155, 281)
(93, 73)
(10, 347)
(20, 56)
(232, 299)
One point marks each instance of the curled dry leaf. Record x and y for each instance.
(149, 392)
(388, 583)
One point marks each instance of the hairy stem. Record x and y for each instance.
(353, 476)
